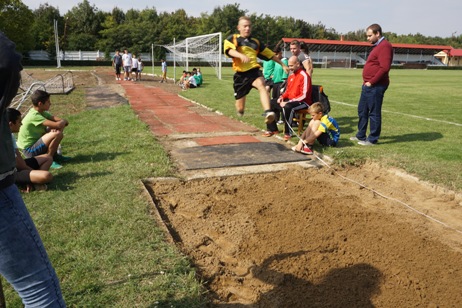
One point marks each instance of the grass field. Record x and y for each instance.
(95, 221)
(422, 119)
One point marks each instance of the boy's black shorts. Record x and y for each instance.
(324, 139)
(243, 82)
(32, 163)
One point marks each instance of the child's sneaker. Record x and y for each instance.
(269, 117)
(55, 165)
(306, 150)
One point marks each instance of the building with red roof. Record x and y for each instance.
(333, 53)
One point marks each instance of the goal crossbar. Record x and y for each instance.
(206, 48)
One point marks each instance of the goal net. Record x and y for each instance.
(203, 48)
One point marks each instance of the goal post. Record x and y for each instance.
(203, 48)
(324, 63)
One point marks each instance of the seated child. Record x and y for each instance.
(197, 75)
(31, 172)
(41, 131)
(190, 81)
(322, 127)
(182, 80)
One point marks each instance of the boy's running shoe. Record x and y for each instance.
(269, 117)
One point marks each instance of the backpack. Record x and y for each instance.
(333, 134)
(318, 95)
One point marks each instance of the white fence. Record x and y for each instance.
(78, 55)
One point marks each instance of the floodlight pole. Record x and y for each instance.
(58, 60)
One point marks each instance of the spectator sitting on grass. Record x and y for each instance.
(190, 81)
(41, 131)
(31, 172)
(322, 127)
(198, 76)
(182, 80)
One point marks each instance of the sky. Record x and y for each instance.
(429, 18)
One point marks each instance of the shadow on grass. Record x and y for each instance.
(64, 180)
(348, 125)
(411, 137)
(101, 156)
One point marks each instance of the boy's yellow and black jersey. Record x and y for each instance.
(249, 46)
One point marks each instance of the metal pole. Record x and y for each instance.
(58, 60)
(220, 55)
(152, 58)
(174, 61)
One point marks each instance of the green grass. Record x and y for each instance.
(95, 222)
(418, 133)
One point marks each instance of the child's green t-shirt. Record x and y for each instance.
(32, 128)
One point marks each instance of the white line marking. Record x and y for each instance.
(404, 114)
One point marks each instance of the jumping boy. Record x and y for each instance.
(41, 131)
(321, 127)
(244, 50)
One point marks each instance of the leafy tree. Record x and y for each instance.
(84, 22)
(16, 21)
(223, 19)
(43, 27)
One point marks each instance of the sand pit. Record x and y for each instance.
(308, 238)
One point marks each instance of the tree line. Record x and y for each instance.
(85, 27)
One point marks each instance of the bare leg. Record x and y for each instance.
(44, 161)
(52, 140)
(259, 84)
(240, 106)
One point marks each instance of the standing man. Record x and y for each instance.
(303, 57)
(375, 83)
(117, 64)
(244, 49)
(164, 71)
(127, 62)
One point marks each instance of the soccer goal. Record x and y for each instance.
(324, 63)
(203, 48)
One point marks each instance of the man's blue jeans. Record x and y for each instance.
(370, 112)
(23, 259)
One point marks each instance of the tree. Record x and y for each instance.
(223, 19)
(84, 22)
(16, 21)
(43, 27)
